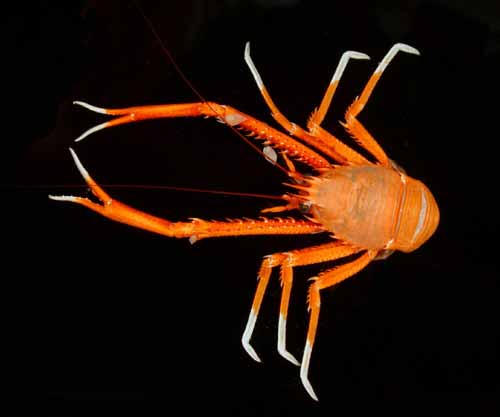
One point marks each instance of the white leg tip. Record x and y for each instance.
(309, 388)
(304, 370)
(355, 55)
(406, 48)
(247, 334)
(250, 350)
(282, 342)
(346, 56)
(392, 53)
(288, 356)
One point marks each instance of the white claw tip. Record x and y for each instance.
(90, 131)
(95, 128)
(91, 107)
(62, 198)
(79, 166)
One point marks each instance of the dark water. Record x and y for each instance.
(101, 318)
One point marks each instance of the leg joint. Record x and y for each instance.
(313, 299)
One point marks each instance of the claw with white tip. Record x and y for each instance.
(83, 172)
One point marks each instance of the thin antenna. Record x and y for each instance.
(195, 91)
(142, 187)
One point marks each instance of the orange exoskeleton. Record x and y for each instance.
(370, 208)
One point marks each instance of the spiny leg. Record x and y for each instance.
(324, 280)
(353, 126)
(195, 229)
(320, 139)
(288, 260)
(223, 113)
(319, 114)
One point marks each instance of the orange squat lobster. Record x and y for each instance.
(370, 208)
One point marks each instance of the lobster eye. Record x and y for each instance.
(305, 207)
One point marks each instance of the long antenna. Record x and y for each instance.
(43, 187)
(195, 91)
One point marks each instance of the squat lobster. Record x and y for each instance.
(371, 208)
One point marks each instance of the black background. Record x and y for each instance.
(101, 318)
